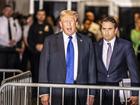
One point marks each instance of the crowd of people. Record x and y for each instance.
(68, 53)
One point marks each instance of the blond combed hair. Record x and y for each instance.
(70, 13)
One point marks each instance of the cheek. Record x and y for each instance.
(103, 33)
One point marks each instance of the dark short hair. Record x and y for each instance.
(7, 6)
(109, 19)
(41, 10)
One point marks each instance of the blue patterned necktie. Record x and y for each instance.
(70, 62)
(109, 53)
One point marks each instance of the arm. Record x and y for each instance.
(92, 67)
(43, 67)
(18, 31)
(134, 74)
(31, 39)
(132, 65)
(91, 74)
(43, 73)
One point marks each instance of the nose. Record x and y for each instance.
(106, 31)
(68, 23)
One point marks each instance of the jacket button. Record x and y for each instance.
(108, 76)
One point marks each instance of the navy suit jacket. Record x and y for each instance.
(53, 64)
(123, 59)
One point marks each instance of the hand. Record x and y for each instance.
(45, 100)
(133, 100)
(20, 50)
(39, 47)
(90, 100)
(12, 43)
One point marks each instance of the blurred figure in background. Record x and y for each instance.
(94, 27)
(10, 35)
(26, 57)
(51, 21)
(85, 30)
(135, 34)
(136, 16)
(38, 31)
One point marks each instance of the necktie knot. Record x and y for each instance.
(109, 44)
(70, 37)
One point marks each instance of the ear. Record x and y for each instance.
(60, 23)
(116, 30)
(77, 23)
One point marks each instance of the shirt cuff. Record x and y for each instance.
(43, 95)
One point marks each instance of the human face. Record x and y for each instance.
(108, 30)
(41, 16)
(90, 16)
(8, 12)
(87, 24)
(138, 23)
(68, 24)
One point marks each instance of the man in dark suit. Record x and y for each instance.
(54, 63)
(115, 56)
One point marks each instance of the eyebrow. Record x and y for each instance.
(106, 28)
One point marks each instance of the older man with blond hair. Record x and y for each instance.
(67, 58)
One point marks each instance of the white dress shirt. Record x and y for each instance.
(105, 47)
(4, 34)
(26, 30)
(74, 41)
(75, 45)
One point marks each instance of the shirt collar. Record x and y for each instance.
(111, 41)
(66, 37)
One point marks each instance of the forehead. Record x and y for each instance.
(108, 24)
(68, 17)
(41, 13)
(8, 9)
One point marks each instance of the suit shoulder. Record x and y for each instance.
(99, 42)
(84, 37)
(124, 41)
(52, 37)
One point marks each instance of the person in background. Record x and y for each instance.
(135, 38)
(94, 27)
(26, 57)
(115, 57)
(85, 30)
(51, 21)
(38, 31)
(10, 35)
(135, 35)
(67, 58)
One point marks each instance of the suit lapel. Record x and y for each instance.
(80, 45)
(61, 56)
(100, 52)
(100, 49)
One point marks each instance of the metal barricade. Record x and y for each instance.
(13, 97)
(12, 72)
(9, 95)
